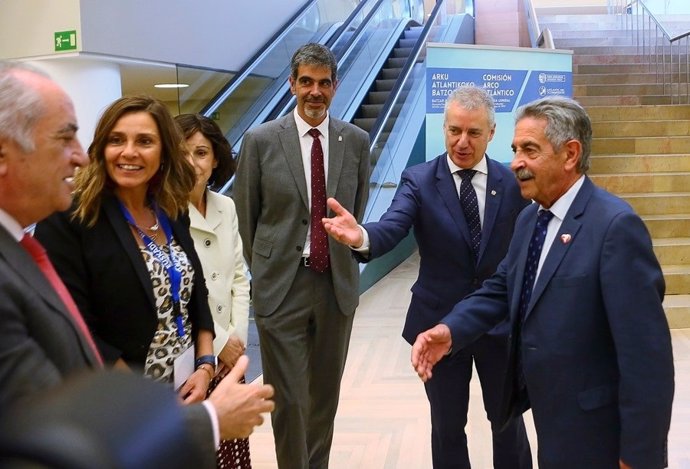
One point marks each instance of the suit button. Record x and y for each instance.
(298, 248)
(214, 276)
(207, 242)
(219, 308)
(305, 222)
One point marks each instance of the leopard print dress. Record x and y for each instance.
(167, 345)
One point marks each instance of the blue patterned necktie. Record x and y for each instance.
(533, 253)
(470, 207)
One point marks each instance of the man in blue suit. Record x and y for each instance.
(590, 346)
(428, 201)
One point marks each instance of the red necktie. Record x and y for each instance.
(318, 253)
(39, 255)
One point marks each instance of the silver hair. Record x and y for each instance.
(316, 55)
(20, 104)
(471, 97)
(565, 120)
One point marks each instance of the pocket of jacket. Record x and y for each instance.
(262, 247)
(595, 398)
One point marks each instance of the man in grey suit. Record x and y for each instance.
(305, 290)
(43, 343)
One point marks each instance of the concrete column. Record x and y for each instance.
(92, 85)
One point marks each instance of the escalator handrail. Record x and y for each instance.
(378, 126)
(285, 105)
(216, 101)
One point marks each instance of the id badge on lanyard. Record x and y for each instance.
(168, 262)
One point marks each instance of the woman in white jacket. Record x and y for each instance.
(218, 243)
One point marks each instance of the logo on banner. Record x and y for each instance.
(502, 85)
(506, 87)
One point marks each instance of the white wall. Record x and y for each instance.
(27, 26)
(220, 34)
(91, 84)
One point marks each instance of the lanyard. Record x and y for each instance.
(170, 263)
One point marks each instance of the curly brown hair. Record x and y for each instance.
(171, 186)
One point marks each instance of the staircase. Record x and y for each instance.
(641, 147)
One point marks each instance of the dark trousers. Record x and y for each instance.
(449, 392)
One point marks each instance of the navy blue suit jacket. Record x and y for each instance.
(427, 201)
(595, 344)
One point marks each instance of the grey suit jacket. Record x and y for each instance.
(40, 342)
(273, 211)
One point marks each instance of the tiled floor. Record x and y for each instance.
(383, 421)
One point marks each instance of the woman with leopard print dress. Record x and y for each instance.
(125, 252)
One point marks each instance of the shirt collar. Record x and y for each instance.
(11, 225)
(481, 167)
(562, 205)
(303, 127)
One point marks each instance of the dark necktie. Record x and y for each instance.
(34, 248)
(533, 254)
(470, 207)
(318, 253)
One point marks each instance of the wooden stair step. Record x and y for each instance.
(642, 182)
(640, 145)
(658, 203)
(612, 164)
(642, 128)
(677, 308)
(668, 226)
(672, 251)
(630, 100)
(638, 112)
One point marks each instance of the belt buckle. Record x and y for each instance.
(306, 262)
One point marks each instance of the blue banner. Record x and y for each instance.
(513, 76)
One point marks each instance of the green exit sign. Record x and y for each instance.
(65, 40)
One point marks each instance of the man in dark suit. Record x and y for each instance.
(305, 290)
(428, 201)
(590, 345)
(43, 341)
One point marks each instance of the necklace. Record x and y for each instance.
(153, 229)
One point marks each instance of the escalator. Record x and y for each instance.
(372, 106)
(260, 90)
(380, 50)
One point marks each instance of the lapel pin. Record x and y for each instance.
(565, 238)
(340, 138)
(493, 192)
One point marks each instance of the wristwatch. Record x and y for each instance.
(206, 360)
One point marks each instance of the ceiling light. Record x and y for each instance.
(170, 85)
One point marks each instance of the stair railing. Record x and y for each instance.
(667, 55)
(539, 38)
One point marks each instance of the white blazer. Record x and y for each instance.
(218, 243)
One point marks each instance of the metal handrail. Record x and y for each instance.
(668, 55)
(539, 38)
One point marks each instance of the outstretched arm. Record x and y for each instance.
(342, 227)
(430, 346)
